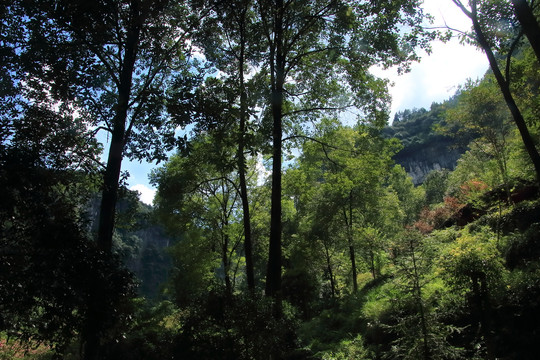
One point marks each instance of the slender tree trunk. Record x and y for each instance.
(486, 317)
(109, 195)
(483, 308)
(248, 247)
(91, 337)
(418, 295)
(118, 141)
(273, 275)
(277, 64)
(501, 163)
(372, 260)
(507, 94)
(352, 256)
(226, 265)
(353, 266)
(528, 22)
(225, 240)
(330, 271)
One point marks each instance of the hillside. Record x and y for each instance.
(424, 149)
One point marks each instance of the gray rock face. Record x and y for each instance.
(420, 160)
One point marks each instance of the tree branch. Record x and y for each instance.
(208, 181)
(321, 108)
(509, 56)
(296, 60)
(463, 8)
(96, 130)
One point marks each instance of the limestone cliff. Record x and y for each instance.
(424, 148)
(420, 160)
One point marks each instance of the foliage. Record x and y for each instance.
(436, 184)
(362, 263)
(348, 349)
(14, 349)
(338, 166)
(414, 127)
(49, 265)
(150, 334)
(472, 258)
(335, 330)
(236, 328)
(204, 215)
(439, 216)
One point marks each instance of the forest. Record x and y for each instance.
(292, 219)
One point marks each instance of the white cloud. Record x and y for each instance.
(436, 77)
(146, 194)
(262, 172)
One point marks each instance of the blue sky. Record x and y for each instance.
(434, 79)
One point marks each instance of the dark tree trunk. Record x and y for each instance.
(91, 337)
(372, 261)
(528, 22)
(226, 266)
(277, 64)
(109, 194)
(352, 256)
(273, 274)
(118, 141)
(248, 244)
(353, 266)
(225, 240)
(507, 94)
(330, 272)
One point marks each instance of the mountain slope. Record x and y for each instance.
(424, 150)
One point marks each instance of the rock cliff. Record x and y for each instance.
(437, 154)
(424, 148)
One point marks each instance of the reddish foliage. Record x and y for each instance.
(431, 219)
(472, 188)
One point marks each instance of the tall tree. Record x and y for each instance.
(474, 266)
(198, 196)
(481, 22)
(227, 39)
(113, 61)
(412, 263)
(482, 114)
(344, 172)
(317, 50)
(49, 171)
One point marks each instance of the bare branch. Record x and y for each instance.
(463, 8)
(96, 130)
(322, 108)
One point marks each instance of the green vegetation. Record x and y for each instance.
(428, 143)
(277, 231)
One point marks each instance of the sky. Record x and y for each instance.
(434, 79)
